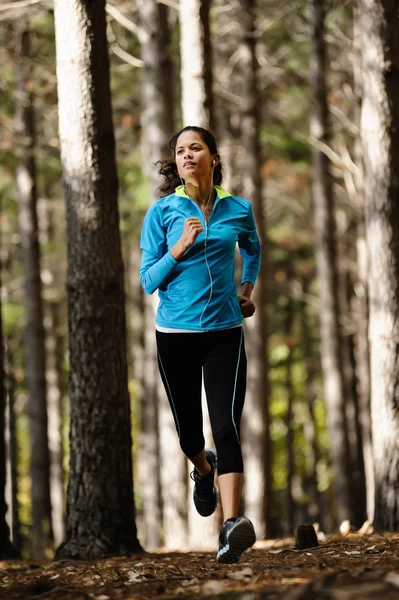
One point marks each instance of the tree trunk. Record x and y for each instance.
(196, 66)
(163, 507)
(54, 346)
(6, 548)
(379, 130)
(197, 102)
(34, 332)
(55, 411)
(358, 481)
(327, 273)
(100, 505)
(361, 298)
(289, 417)
(310, 430)
(255, 431)
(12, 451)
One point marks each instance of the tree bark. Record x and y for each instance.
(196, 66)
(11, 450)
(197, 102)
(34, 332)
(255, 431)
(164, 508)
(326, 259)
(361, 297)
(100, 505)
(379, 130)
(289, 416)
(6, 548)
(55, 409)
(358, 481)
(310, 430)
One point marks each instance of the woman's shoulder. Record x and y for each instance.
(161, 204)
(222, 193)
(243, 203)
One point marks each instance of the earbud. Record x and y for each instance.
(214, 162)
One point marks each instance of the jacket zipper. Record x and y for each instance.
(206, 223)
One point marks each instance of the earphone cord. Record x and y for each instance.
(210, 194)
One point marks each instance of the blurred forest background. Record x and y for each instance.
(280, 85)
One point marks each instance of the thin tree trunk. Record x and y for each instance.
(12, 451)
(358, 481)
(162, 506)
(6, 548)
(196, 78)
(361, 299)
(34, 333)
(55, 410)
(255, 431)
(379, 130)
(195, 50)
(326, 259)
(100, 504)
(54, 346)
(313, 451)
(289, 417)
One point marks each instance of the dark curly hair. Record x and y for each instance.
(168, 168)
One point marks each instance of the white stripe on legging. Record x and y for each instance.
(234, 392)
(170, 396)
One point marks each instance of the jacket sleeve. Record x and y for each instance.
(156, 262)
(250, 249)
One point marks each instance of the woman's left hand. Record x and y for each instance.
(247, 306)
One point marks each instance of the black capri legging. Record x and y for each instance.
(221, 356)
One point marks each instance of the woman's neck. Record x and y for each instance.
(202, 192)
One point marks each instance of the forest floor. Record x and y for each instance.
(351, 568)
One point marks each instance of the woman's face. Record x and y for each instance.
(192, 156)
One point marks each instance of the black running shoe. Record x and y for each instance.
(205, 494)
(236, 535)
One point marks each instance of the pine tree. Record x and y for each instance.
(100, 506)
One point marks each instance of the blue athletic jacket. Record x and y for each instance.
(198, 292)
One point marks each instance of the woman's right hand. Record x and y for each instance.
(192, 229)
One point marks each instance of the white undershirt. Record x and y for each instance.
(168, 330)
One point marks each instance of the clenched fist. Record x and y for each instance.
(192, 229)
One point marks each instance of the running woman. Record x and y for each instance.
(188, 244)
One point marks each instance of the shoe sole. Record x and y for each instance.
(241, 537)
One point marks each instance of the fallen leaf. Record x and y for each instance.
(213, 587)
(242, 575)
(350, 552)
(133, 575)
(393, 578)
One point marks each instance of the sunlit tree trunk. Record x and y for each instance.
(196, 63)
(255, 430)
(197, 106)
(6, 548)
(12, 454)
(379, 130)
(34, 333)
(310, 429)
(100, 505)
(289, 417)
(361, 298)
(47, 215)
(326, 259)
(357, 482)
(164, 506)
(55, 416)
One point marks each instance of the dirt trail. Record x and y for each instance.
(354, 568)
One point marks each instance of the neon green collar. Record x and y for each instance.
(222, 193)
